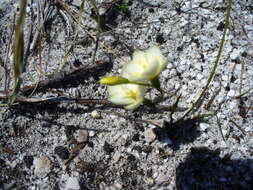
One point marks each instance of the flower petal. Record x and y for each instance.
(118, 94)
(139, 58)
(154, 55)
(134, 105)
(145, 65)
(119, 100)
(132, 72)
(131, 95)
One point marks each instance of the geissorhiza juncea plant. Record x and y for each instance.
(129, 88)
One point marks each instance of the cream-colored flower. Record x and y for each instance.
(131, 95)
(145, 66)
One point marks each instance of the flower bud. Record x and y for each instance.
(113, 80)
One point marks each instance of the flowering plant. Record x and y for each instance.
(129, 88)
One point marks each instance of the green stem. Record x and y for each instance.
(98, 19)
(229, 7)
(139, 83)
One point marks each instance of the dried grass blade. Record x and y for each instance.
(76, 34)
(18, 50)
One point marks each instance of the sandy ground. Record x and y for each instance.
(60, 143)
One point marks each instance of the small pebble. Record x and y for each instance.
(199, 76)
(248, 129)
(231, 93)
(162, 178)
(42, 166)
(225, 132)
(209, 142)
(149, 135)
(91, 133)
(81, 136)
(225, 78)
(13, 164)
(203, 126)
(155, 175)
(72, 184)
(95, 114)
(235, 54)
(233, 105)
(122, 141)
(223, 144)
(116, 156)
(118, 185)
(150, 181)
(197, 66)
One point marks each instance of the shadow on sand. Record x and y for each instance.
(204, 169)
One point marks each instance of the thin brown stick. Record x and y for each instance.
(241, 77)
(93, 101)
(62, 76)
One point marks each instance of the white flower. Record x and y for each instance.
(145, 66)
(131, 95)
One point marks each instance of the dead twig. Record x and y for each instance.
(76, 34)
(23, 99)
(245, 92)
(74, 152)
(219, 126)
(44, 10)
(63, 77)
(127, 117)
(7, 56)
(90, 34)
(243, 132)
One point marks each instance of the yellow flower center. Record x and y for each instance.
(131, 94)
